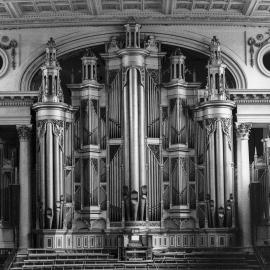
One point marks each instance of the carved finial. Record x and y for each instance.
(51, 43)
(216, 83)
(215, 51)
(50, 90)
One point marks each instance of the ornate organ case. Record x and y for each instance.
(134, 153)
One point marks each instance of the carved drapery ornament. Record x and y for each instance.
(58, 128)
(210, 126)
(24, 133)
(226, 124)
(41, 128)
(243, 130)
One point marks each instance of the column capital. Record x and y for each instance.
(243, 130)
(24, 132)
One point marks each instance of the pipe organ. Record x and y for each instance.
(135, 153)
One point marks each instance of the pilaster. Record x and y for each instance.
(243, 181)
(24, 133)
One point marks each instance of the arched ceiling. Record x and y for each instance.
(39, 13)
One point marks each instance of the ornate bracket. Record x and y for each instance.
(12, 45)
(258, 42)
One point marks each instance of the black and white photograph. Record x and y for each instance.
(134, 134)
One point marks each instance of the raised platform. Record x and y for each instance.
(156, 238)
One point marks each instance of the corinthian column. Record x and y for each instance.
(243, 181)
(24, 133)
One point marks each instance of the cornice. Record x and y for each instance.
(118, 20)
(250, 96)
(18, 99)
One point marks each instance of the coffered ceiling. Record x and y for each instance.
(40, 12)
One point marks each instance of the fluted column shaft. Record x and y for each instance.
(24, 133)
(243, 182)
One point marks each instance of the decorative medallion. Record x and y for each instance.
(4, 61)
(263, 55)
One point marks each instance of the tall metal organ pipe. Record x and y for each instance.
(142, 161)
(49, 176)
(134, 139)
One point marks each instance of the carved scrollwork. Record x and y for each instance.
(226, 124)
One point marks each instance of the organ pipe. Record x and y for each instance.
(56, 179)
(49, 176)
(42, 182)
